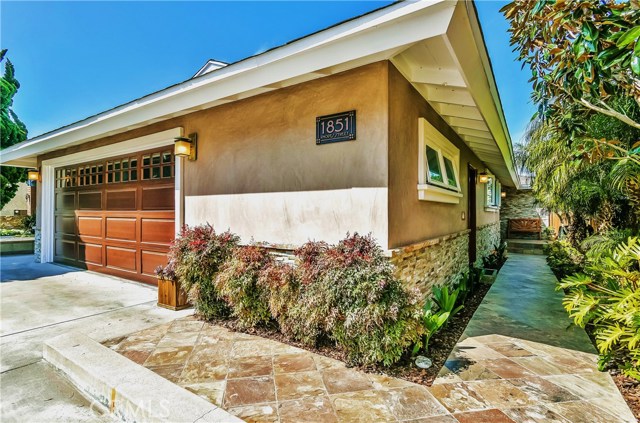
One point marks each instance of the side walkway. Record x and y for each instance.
(521, 360)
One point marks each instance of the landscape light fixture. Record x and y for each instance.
(186, 147)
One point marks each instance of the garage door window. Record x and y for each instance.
(157, 165)
(122, 170)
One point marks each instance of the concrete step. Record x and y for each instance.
(127, 390)
(526, 246)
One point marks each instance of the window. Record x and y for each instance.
(492, 197)
(122, 170)
(438, 166)
(157, 165)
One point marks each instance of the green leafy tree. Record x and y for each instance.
(584, 59)
(12, 131)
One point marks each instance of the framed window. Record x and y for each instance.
(438, 166)
(492, 193)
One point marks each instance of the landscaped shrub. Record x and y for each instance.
(607, 298)
(351, 295)
(563, 259)
(432, 322)
(309, 304)
(496, 258)
(196, 255)
(447, 301)
(283, 287)
(237, 283)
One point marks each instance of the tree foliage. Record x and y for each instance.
(584, 58)
(12, 131)
(583, 53)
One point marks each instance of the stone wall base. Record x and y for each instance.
(37, 246)
(438, 261)
(487, 238)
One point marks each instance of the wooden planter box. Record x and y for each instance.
(171, 295)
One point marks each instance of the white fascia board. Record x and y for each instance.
(465, 42)
(384, 30)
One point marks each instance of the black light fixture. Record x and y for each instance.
(186, 147)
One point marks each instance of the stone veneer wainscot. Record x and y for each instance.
(487, 237)
(437, 261)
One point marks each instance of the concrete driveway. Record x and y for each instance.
(41, 301)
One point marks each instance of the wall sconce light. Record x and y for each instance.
(483, 178)
(33, 175)
(503, 194)
(186, 147)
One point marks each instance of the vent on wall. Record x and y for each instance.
(210, 66)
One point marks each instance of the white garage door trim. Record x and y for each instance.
(47, 207)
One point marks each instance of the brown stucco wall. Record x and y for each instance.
(267, 143)
(412, 220)
(260, 173)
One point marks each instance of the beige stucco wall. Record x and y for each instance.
(18, 202)
(412, 220)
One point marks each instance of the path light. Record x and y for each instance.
(33, 175)
(186, 147)
(483, 178)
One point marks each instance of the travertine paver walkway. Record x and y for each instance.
(516, 362)
(520, 360)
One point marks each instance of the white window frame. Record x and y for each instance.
(492, 196)
(429, 190)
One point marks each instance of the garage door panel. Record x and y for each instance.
(66, 225)
(121, 199)
(151, 260)
(158, 198)
(110, 219)
(65, 249)
(90, 200)
(157, 231)
(121, 258)
(65, 201)
(120, 228)
(90, 226)
(90, 253)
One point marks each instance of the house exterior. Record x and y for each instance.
(410, 89)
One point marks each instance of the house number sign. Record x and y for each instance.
(336, 127)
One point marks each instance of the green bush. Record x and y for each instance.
(432, 322)
(196, 255)
(237, 283)
(496, 258)
(283, 287)
(351, 296)
(28, 223)
(607, 298)
(563, 259)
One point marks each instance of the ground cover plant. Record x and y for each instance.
(606, 297)
(563, 259)
(497, 257)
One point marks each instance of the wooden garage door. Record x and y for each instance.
(116, 216)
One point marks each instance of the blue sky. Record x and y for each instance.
(75, 59)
